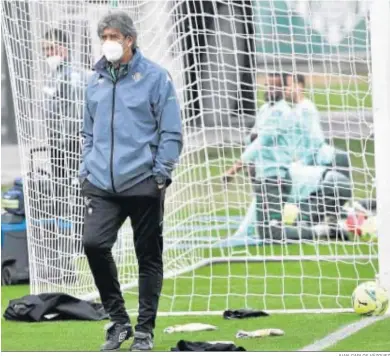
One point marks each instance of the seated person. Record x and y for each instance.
(272, 154)
(278, 143)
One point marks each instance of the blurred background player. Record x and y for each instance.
(63, 107)
(279, 137)
(63, 92)
(317, 192)
(271, 153)
(314, 148)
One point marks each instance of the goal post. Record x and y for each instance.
(380, 49)
(219, 54)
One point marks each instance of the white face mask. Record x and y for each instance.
(53, 62)
(112, 50)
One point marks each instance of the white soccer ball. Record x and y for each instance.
(290, 214)
(370, 299)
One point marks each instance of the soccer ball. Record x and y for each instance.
(370, 299)
(290, 214)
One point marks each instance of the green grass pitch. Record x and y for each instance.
(236, 285)
(300, 330)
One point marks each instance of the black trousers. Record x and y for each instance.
(104, 215)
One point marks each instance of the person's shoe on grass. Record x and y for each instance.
(116, 334)
(142, 342)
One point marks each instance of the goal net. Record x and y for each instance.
(219, 54)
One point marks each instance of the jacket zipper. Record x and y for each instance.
(112, 138)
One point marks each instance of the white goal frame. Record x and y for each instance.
(380, 52)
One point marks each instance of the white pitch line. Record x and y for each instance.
(342, 334)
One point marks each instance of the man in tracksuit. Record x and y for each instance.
(63, 92)
(132, 141)
(271, 152)
(63, 108)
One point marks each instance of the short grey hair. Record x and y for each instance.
(121, 21)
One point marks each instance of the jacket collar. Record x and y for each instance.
(101, 65)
